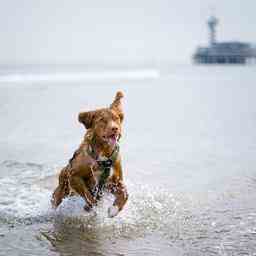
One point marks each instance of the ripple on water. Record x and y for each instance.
(70, 227)
(199, 227)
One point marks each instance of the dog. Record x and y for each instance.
(96, 165)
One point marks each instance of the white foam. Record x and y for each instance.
(113, 211)
(147, 208)
(136, 74)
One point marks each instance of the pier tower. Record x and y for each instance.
(212, 23)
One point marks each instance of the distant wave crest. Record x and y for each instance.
(136, 74)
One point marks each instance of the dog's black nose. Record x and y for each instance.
(114, 129)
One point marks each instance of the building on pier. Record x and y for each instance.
(223, 52)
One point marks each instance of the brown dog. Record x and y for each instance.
(96, 165)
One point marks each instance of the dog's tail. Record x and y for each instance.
(117, 105)
(117, 100)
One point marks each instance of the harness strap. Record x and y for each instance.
(104, 166)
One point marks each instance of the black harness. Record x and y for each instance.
(104, 167)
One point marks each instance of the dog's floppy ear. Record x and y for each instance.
(117, 105)
(86, 118)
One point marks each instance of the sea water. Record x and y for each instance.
(188, 153)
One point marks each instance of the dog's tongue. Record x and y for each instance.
(112, 139)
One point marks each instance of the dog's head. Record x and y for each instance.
(105, 123)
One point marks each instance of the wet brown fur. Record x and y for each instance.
(79, 176)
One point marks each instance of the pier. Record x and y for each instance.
(233, 52)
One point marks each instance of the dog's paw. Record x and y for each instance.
(113, 211)
(87, 208)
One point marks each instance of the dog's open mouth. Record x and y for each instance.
(113, 138)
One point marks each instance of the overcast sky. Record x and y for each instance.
(82, 31)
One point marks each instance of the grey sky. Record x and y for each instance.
(81, 31)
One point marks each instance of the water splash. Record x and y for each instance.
(24, 201)
(201, 226)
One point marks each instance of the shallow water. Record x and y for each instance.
(188, 154)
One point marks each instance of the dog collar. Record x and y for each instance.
(104, 163)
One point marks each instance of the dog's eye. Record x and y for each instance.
(102, 120)
(116, 119)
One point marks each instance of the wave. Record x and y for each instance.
(136, 74)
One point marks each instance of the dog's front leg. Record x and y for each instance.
(121, 196)
(118, 189)
(62, 189)
(77, 183)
